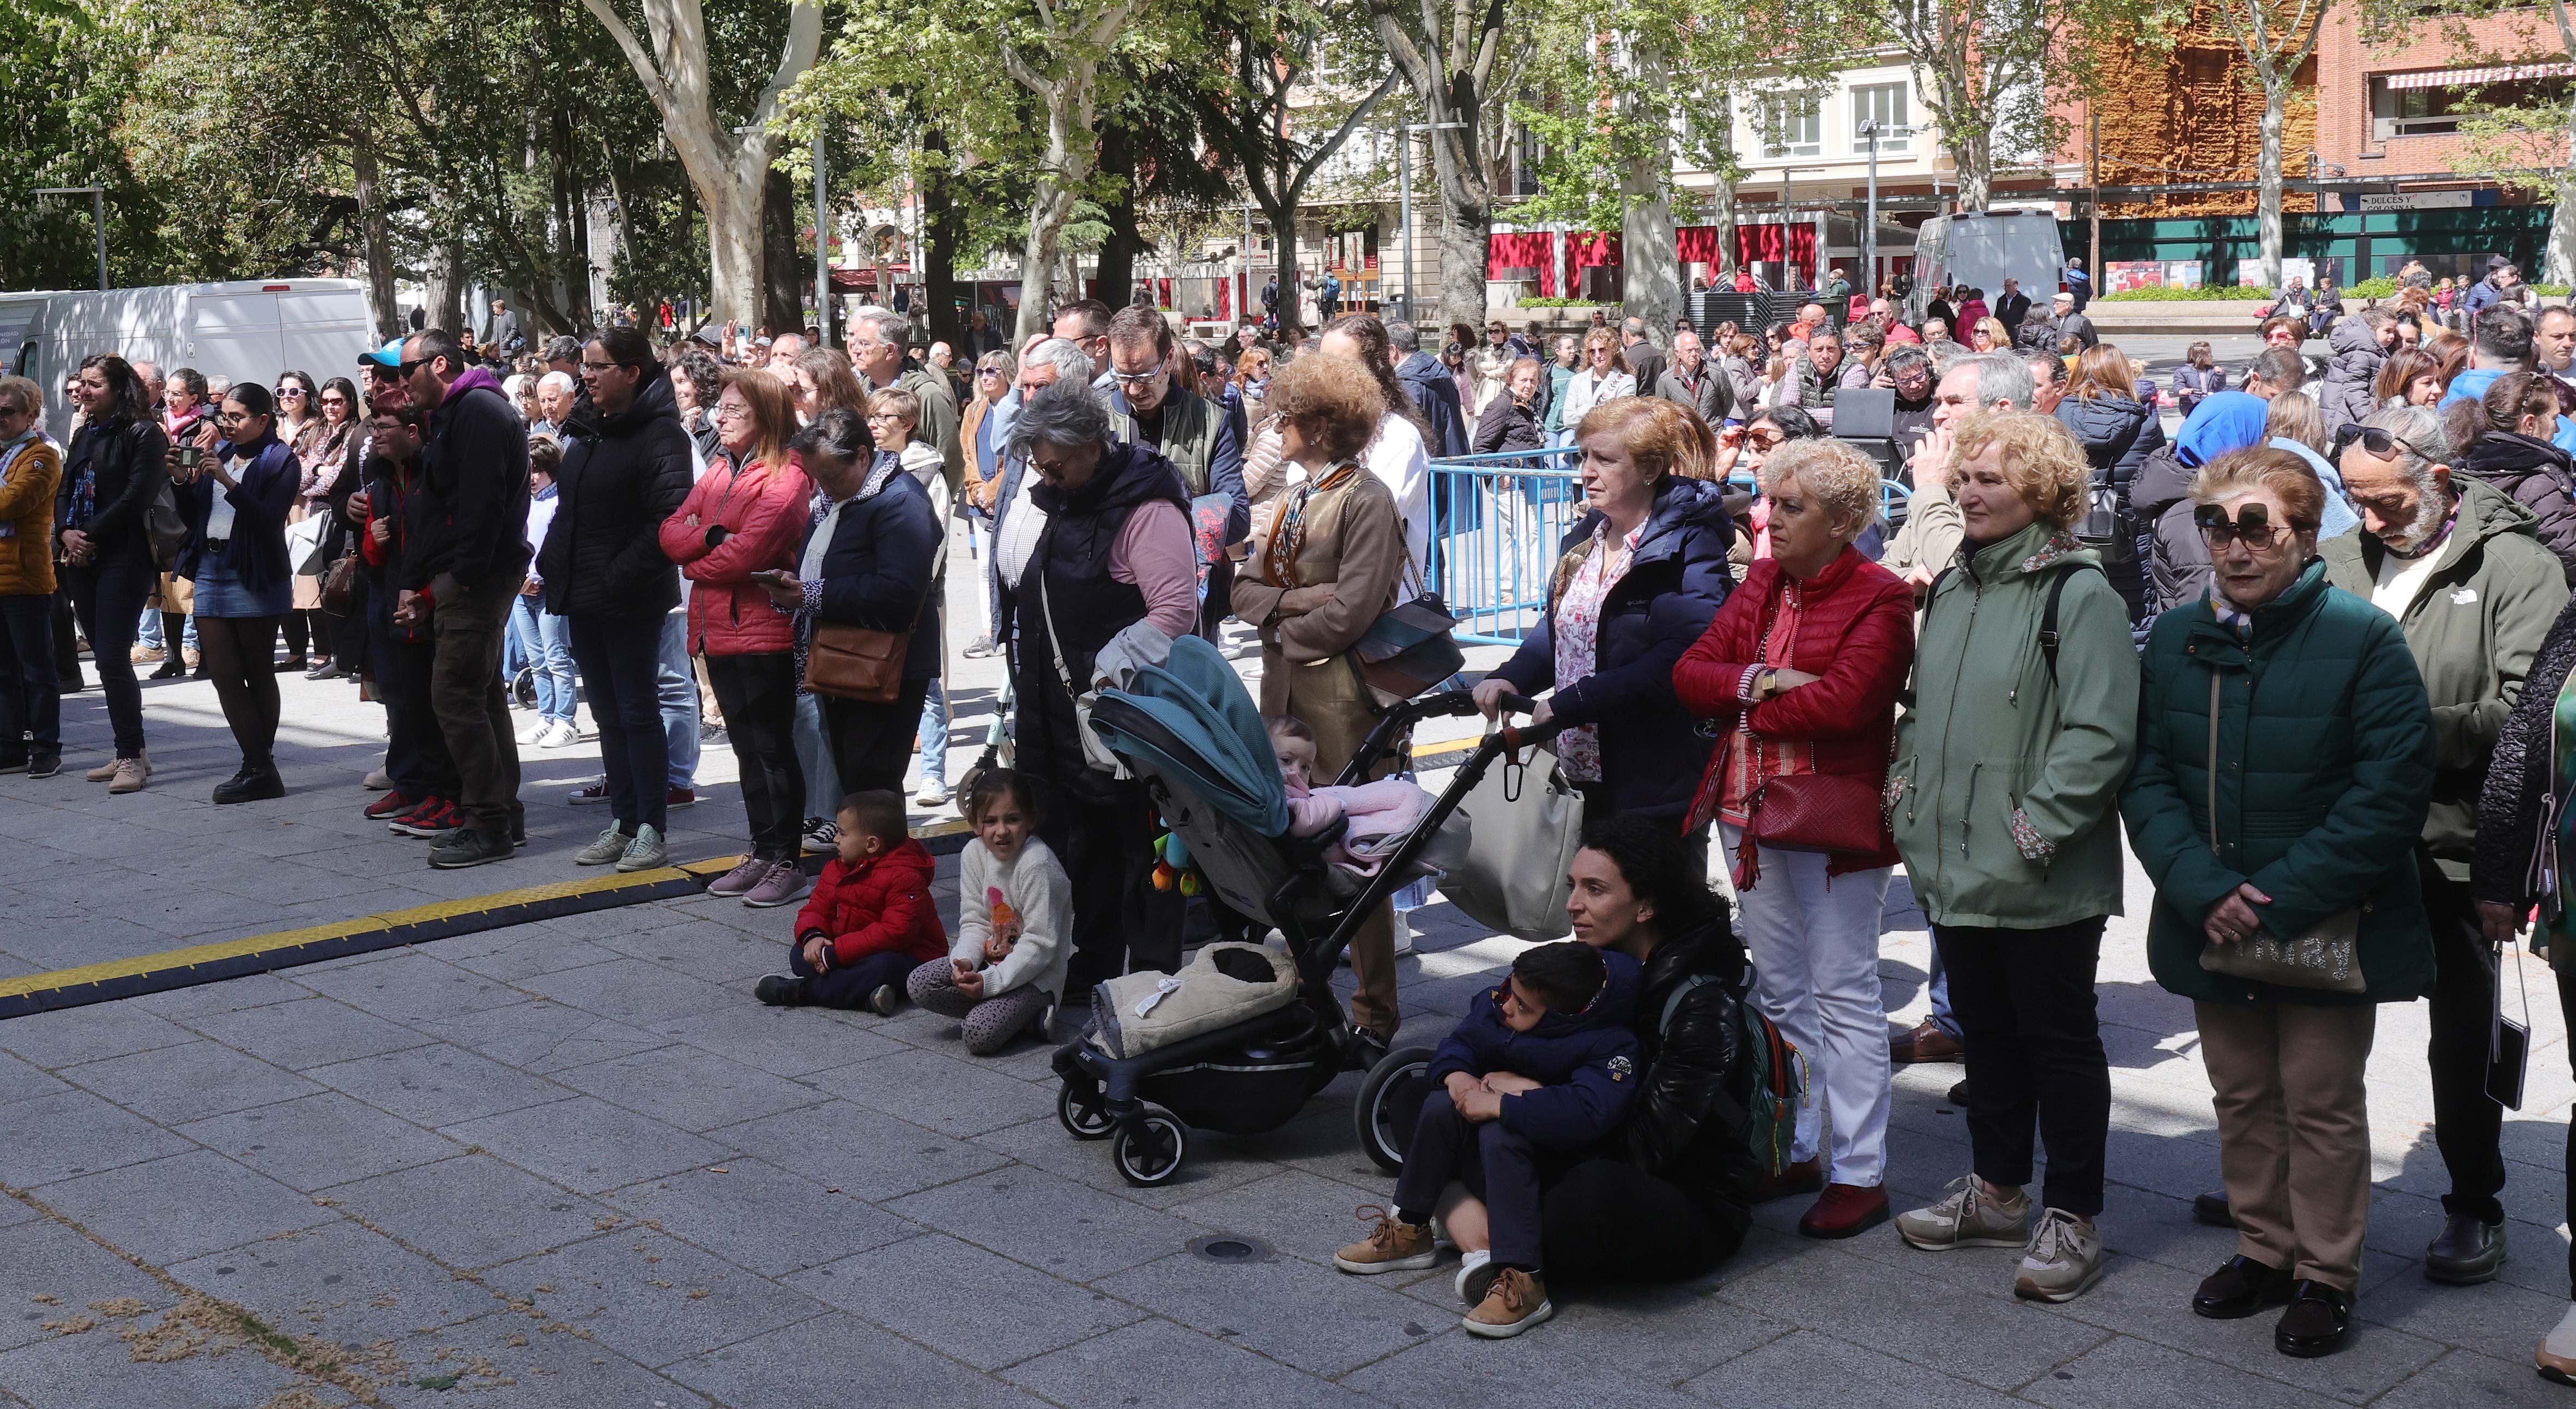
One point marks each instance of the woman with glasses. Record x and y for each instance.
(825, 382)
(985, 431)
(331, 475)
(1604, 377)
(745, 517)
(2285, 764)
(235, 491)
(2008, 765)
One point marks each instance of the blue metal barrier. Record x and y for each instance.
(1496, 522)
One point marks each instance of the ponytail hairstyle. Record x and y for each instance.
(1377, 353)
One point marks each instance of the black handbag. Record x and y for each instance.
(2509, 1044)
(1410, 649)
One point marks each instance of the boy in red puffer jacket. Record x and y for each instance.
(871, 920)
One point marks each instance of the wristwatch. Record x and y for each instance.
(1768, 682)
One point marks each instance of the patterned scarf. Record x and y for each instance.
(1279, 559)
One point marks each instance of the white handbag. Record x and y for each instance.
(1506, 850)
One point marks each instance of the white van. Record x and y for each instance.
(247, 330)
(1983, 248)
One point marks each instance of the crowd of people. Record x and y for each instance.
(2306, 652)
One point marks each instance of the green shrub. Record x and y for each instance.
(2385, 286)
(2159, 293)
(2550, 290)
(1554, 302)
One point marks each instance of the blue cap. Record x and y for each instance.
(388, 356)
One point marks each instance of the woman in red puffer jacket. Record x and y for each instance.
(746, 516)
(1800, 670)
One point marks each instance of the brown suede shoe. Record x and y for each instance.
(1391, 1246)
(1845, 1211)
(1924, 1042)
(1514, 1302)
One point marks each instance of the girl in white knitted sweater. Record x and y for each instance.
(1005, 970)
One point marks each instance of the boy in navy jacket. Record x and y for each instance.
(1542, 1066)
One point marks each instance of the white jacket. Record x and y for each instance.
(1038, 894)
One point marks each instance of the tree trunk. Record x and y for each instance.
(1047, 214)
(2558, 261)
(1649, 263)
(1466, 227)
(782, 304)
(941, 234)
(2276, 98)
(1721, 204)
(1975, 160)
(1283, 245)
(376, 235)
(733, 210)
(1115, 264)
(444, 305)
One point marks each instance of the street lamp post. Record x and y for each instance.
(1404, 181)
(1869, 216)
(98, 217)
(822, 248)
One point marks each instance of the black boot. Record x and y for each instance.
(783, 991)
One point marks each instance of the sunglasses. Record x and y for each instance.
(2252, 527)
(286, 391)
(2373, 439)
(414, 365)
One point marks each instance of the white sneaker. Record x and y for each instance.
(2557, 1355)
(559, 734)
(930, 795)
(530, 733)
(1968, 1218)
(2063, 1261)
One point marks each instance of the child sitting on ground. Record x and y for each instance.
(1013, 902)
(1540, 1067)
(870, 921)
(1380, 814)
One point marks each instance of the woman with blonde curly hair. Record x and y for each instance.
(1325, 566)
(1799, 671)
(2007, 769)
(1638, 577)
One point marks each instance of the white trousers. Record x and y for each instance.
(1814, 948)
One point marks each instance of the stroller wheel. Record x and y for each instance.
(1084, 1116)
(1390, 1102)
(1150, 1151)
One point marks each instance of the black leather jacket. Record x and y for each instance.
(1682, 1126)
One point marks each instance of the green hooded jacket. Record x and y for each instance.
(2325, 760)
(2004, 782)
(2474, 628)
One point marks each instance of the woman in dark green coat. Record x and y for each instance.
(2323, 767)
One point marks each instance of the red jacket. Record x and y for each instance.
(764, 513)
(1856, 632)
(880, 906)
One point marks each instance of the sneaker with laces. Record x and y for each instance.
(2063, 1261)
(646, 851)
(884, 1000)
(589, 795)
(1475, 1275)
(680, 797)
(106, 772)
(1969, 1218)
(1391, 1245)
(468, 847)
(607, 850)
(1844, 1211)
(1514, 1302)
(2557, 1354)
(781, 991)
(391, 806)
(559, 734)
(131, 774)
(785, 884)
(44, 765)
(931, 793)
(377, 781)
(821, 834)
(740, 879)
(435, 817)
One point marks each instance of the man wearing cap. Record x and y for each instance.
(2497, 287)
(465, 556)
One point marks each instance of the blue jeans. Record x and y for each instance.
(934, 735)
(814, 757)
(677, 689)
(1939, 982)
(544, 642)
(147, 632)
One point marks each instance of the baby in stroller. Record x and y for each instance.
(1380, 814)
(1541, 1066)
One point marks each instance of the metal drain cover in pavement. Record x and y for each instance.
(1230, 1247)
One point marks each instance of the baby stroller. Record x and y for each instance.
(1192, 732)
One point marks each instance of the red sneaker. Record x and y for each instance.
(434, 818)
(1807, 1176)
(1844, 1211)
(392, 805)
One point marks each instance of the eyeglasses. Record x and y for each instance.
(2252, 527)
(589, 368)
(1135, 378)
(1764, 440)
(2371, 438)
(732, 413)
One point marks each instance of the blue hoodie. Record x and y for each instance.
(1588, 1060)
(2472, 385)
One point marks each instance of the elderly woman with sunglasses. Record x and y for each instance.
(985, 431)
(2284, 765)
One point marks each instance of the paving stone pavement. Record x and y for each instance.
(573, 1164)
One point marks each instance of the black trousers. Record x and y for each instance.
(2024, 1000)
(1608, 1220)
(621, 666)
(2567, 1005)
(850, 987)
(108, 594)
(416, 756)
(1496, 1165)
(67, 671)
(758, 696)
(1119, 920)
(31, 697)
(2468, 1125)
(871, 743)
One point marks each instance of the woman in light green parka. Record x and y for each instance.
(2008, 766)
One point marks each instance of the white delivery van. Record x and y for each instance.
(246, 330)
(1983, 248)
